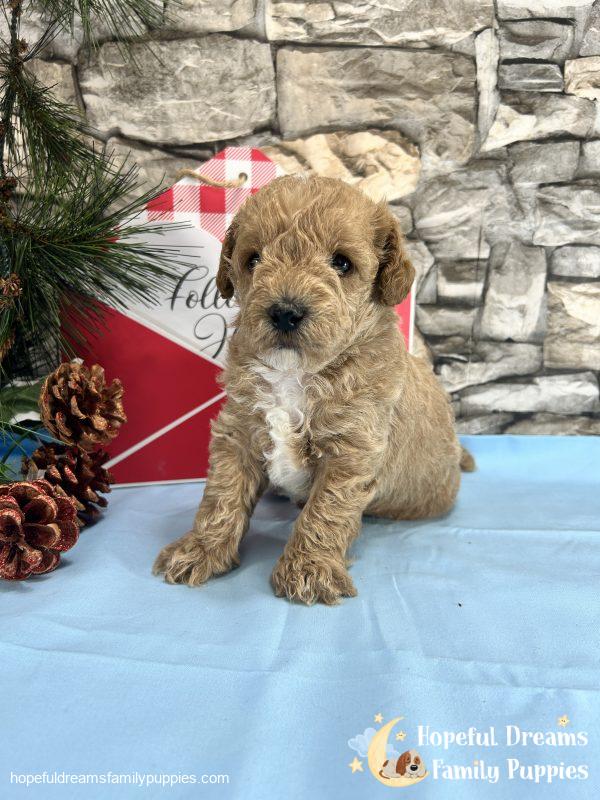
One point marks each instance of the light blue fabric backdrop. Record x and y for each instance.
(489, 617)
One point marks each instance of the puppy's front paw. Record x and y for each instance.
(311, 579)
(188, 561)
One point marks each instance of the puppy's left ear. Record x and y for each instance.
(224, 283)
(403, 763)
(396, 274)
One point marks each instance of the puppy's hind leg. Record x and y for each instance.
(467, 462)
(235, 482)
(419, 501)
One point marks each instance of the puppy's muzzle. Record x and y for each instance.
(286, 316)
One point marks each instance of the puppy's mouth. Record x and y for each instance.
(294, 326)
(287, 341)
(415, 773)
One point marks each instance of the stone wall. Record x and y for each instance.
(476, 119)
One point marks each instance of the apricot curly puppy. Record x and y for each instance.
(323, 400)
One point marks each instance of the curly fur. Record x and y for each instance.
(336, 414)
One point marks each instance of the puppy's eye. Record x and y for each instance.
(253, 260)
(341, 263)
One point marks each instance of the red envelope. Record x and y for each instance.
(169, 356)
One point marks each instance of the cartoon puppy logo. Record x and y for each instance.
(408, 766)
(385, 765)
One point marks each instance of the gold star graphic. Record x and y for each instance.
(563, 721)
(401, 736)
(355, 765)
(378, 718)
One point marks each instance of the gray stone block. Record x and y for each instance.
(180, 92)
(460, 214)
(483, 424)
(461, 282)
(489, 361)
(548, 162)
(34, 24)
(521, 9)
(568, 215)
(452, 348)
(539, 39)
(56, 76)
(582, 77)
(532, 77)
(409, 23)
(441, 321)
(555, 425)
(589, 166)
(427, 292)
(404, 216)
(209, 16)
(487, 53)
(590, 44)
(574, 261)
(573, 337)
(514, 305)
(422, 260)
(573, 393)
(429, 97)
(524, 116)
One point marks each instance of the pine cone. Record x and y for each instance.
(36, 526)
(74, 474)
(78, 408)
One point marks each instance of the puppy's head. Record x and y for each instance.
(410, 764)
(311, 262)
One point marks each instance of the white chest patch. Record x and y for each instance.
(283, 404)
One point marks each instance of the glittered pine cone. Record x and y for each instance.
(36, 526)
(79, 408)
(75, 474)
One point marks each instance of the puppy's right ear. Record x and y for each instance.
(224, 282)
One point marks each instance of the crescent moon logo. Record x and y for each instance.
(377, 756)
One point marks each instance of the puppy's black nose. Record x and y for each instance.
(414, 767)
(286, 317)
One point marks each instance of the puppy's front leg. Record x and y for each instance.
(313, 566)
(235, 482)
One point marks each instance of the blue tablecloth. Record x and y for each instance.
(486, 619)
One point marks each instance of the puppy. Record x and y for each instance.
(323, 401)
(408, 765)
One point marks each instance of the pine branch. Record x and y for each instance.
(120, 18)
(9, 96)
(19, 399)
(70, 252)
(67, 241)
(49, 133)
